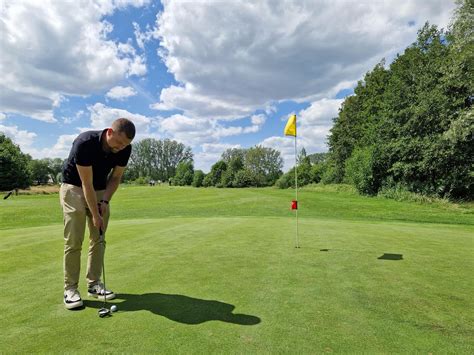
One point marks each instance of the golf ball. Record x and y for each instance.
(113, 308)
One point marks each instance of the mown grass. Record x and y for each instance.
(216, 271)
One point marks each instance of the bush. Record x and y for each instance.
(244, 178)
(208, 181)
(359, 170)
(142, 180)
(215, 175)
(198, 178)
(304, 173)
(316, 172)
(329, 175)
(402, 193)
(285, 181)
(184, 174)
(304, 176)
(227, 179)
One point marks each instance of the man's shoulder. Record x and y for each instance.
(87, 136)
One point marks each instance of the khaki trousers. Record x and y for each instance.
(75, 214)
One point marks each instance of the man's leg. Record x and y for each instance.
(74, 215)
(96, 250)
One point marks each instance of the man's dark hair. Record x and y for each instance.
(124, 125)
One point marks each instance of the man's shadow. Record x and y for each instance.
(179, 308)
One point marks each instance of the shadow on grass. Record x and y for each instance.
(385, 256)
(391, 257)
(179, 308)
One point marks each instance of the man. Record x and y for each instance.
(91, 175)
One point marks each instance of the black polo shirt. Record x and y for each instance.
(87, 151)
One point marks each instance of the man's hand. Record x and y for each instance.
(103, 207)
(98, 222)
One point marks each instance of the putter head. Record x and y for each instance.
(104, 312)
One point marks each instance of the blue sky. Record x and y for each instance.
(211, 74)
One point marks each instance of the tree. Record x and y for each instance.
(198, 178)
(232, 154)
(55, 167)
(157, 159)
(184, 174)
(302, 156)
(420, 110)
(305, 176)
(215, 175)
(235, 163)
(14, 172)
(412, 124)
(40, 172)
(265, 164)
(359, 120)
(317, 171)
(359, 170)
(318, 158)
(244, 178)
(46, 170)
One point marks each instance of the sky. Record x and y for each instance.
(210, 74)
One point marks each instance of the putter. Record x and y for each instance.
(104, 311)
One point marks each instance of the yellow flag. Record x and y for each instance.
(290, 128)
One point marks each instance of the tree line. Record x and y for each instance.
(409, 126)
(151, 160)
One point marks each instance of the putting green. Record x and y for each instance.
(237, 284)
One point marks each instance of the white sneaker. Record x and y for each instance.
(72, 299)
(98, 291)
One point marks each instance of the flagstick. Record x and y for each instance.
(296, 185)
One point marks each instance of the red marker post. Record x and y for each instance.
(294, 205)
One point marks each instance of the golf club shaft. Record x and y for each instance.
(102, 238)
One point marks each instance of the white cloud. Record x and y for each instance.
(79, 114)
(121, 92)
(21, 137)
(197, 131)
(26, 140)
(102, 117)
(143, 37)
(319, 114)
(192, 102)
(60, 149)
(210, 154)
(316, 121)
(233, 57)
(53, 48)
(258, 120)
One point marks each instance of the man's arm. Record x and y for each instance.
(113, 182)
(85, 173)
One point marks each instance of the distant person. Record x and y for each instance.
(85, 195)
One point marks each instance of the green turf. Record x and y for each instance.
(215, 270)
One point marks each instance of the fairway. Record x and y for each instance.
(215, 270)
